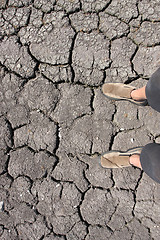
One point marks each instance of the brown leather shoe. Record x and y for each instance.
(118, 159)
(120, 91)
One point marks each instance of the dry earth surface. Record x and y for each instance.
(55, 122)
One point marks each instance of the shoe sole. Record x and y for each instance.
(144, 103)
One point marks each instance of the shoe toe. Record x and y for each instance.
(106, 163)
(107, 88)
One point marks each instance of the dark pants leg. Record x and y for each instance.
(153, 91)
(150, 160)
(150, 155)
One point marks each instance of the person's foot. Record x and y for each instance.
(139, 94)
(135, 160)
(120, 91)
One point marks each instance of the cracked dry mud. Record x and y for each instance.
(55, 122)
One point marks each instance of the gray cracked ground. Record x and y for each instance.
(54, 57)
